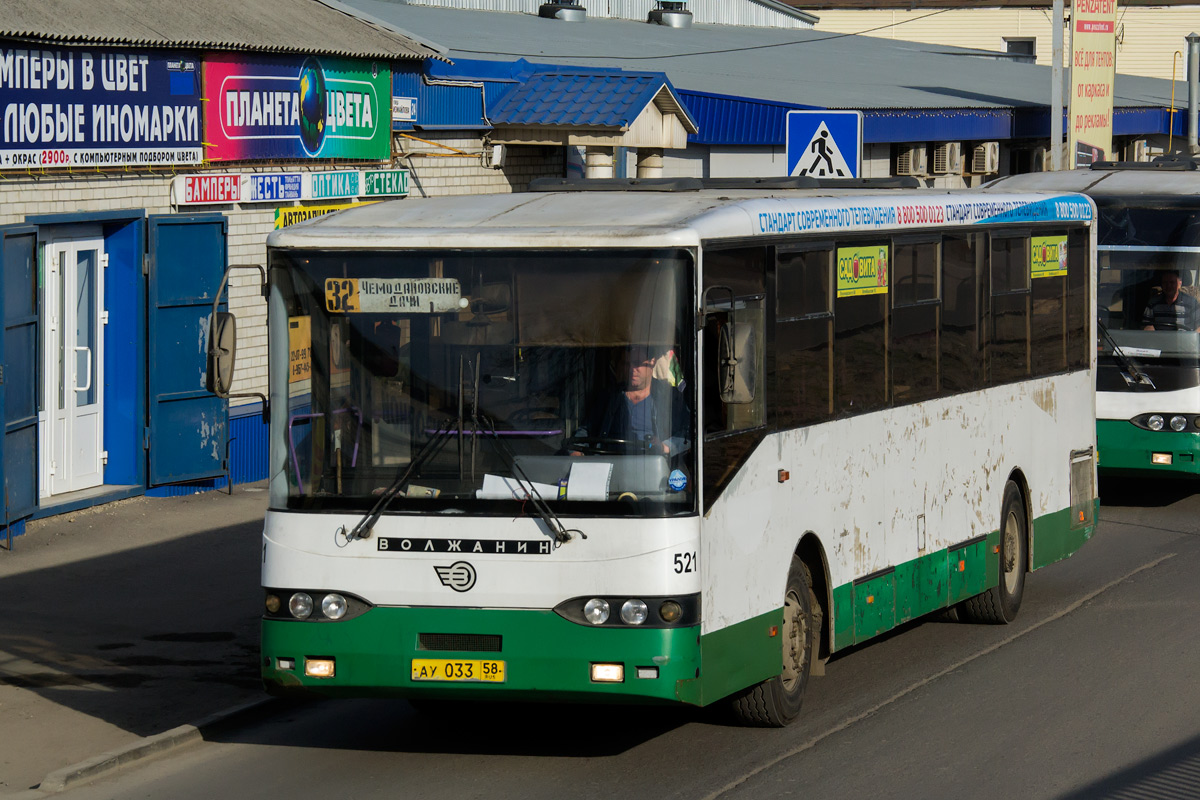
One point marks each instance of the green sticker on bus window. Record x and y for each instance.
(1048, 256)
(862, 270)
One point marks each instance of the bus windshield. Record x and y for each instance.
(1149, 280)
(471, 380)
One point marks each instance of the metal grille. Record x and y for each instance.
(460, 642)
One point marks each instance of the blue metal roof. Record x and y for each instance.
(739, 82)
(582, 99)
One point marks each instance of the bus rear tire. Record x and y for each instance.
(776, 701)
(1000, 604)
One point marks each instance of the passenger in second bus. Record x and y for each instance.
(1172, 310)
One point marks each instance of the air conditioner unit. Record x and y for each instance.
(1139, 150)
(985, 158)
(910, 159)
(947, 158)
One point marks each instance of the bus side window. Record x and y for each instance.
(1079, 347)
(913, 349)
(743, 272)
(860, 331)
(1008, 344)
(960, 351)
(1048, 317)
(803, 336)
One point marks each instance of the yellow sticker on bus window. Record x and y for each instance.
(299, 349)
(862, 270)
(1048, 256)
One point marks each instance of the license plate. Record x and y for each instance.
(454, 669)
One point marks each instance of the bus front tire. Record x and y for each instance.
(776, 701)
(1000, 604)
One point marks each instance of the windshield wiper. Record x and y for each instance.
(562, 534)
(1132, 374)
(362, 530)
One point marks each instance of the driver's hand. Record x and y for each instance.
(574, 453)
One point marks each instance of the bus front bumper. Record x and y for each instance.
(544, 656)
(1126, 449)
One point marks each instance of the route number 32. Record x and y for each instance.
(685, 562)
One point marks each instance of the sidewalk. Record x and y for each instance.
(124, 622)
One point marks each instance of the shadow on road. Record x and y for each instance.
(1174, 773)
(1145, 492)
(550, 730)
(145, 639)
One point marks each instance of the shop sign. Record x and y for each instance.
(385, 182)
(71, 108)
(266, 188)
(1093, 69)
(404, 109)
(332, 185)
(290, 216)
(206, 190)
(282, 107)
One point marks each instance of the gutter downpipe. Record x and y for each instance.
(1193, 43)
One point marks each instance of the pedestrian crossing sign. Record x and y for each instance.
(824, 144)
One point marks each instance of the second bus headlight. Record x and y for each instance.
(1178, 422)
(1155, 422)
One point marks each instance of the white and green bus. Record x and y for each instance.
(665, 441)
(1148, 369)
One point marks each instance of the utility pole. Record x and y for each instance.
(1056, 87)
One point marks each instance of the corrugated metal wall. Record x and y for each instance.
(1149, 36)
(709, 12)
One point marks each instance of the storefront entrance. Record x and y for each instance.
(72, 356)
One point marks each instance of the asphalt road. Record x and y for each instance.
(1090, 693)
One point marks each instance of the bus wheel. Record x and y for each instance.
(1000, 604)
(776, 701)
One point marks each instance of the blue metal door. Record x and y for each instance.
(188, 426)
(18, 379)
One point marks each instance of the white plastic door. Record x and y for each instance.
(73, 348)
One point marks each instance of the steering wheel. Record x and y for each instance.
(607, 446)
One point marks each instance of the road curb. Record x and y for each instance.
(62, 779)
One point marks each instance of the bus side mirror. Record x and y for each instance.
(737, 363)
(222, 350)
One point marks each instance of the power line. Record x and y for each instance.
(831, 37)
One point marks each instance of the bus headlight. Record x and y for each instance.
(670, 611)
(273, 603)
(333, 606)
(596, 611)
(1155, 422)
(300, 605)
(1178, 422)
(634, 612)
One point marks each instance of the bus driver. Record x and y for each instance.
(1171, 310)
(641, 409)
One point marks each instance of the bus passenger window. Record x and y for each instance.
(860, 327)
(803, 337)
(913, 349)
(1048, 317)
(1079, 346)
(960, 351)
(1008, 345)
